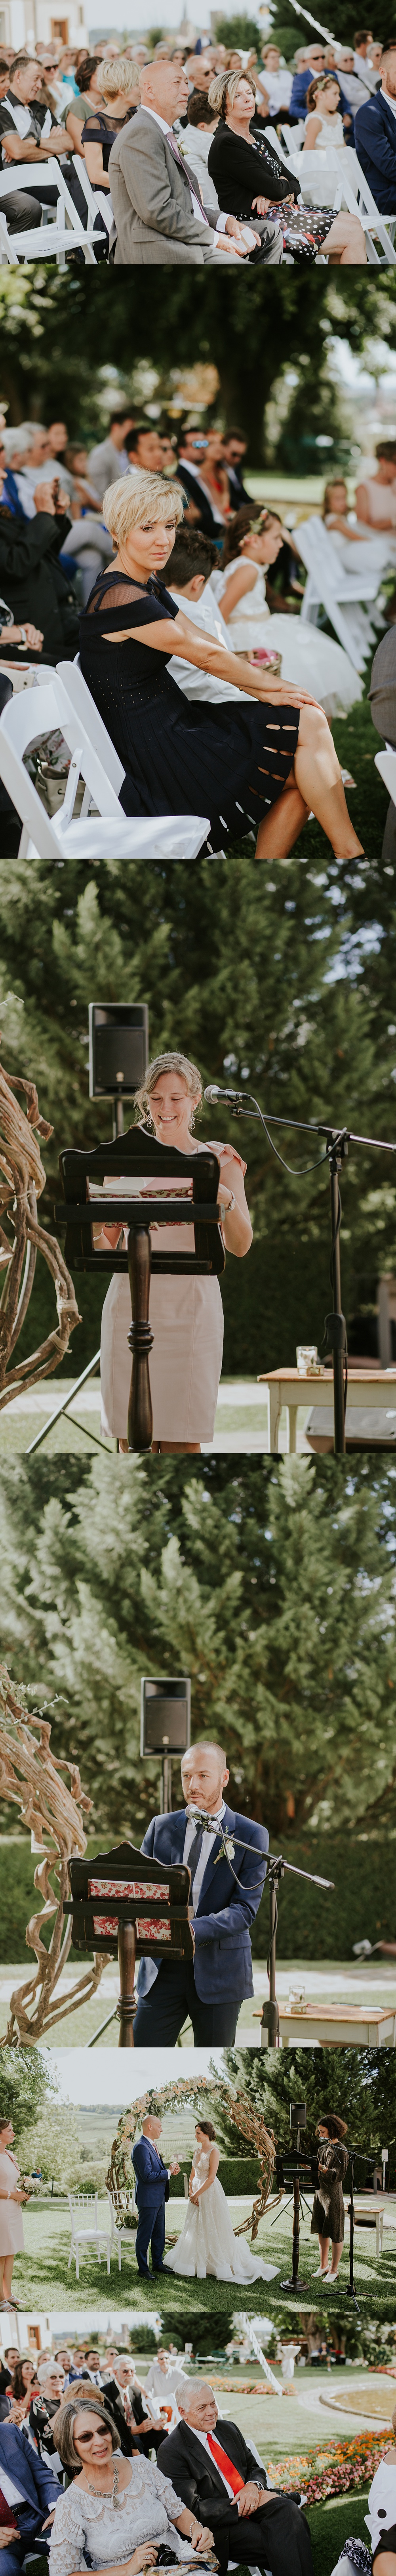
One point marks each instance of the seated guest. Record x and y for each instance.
(130, 2414)
(82, 494)
(31, 576)
(144, 448)
(234, 450)
(250, 179)
(201, 125)
(118, 99)
(355, 89)
(28, 2492)
(174, 755)
(375, 134)
(376, 493)
(362, 58)
(157, 206)
(43, 2406)
(29, 132)
(220, 2478)
(86, 96)
(311, 60)
(87, 2520)
(347, 530)
(204, 504)
(323, 122)
(190, 567)
(110, 458)
(276, 79)
(21, 209)
(110, 2402)
(251, 546)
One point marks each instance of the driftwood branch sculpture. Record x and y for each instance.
(22, 1178)
(250, 2125)
(31, 1777)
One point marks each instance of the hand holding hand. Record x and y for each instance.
(174, 2168)
(260, 204)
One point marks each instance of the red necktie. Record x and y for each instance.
(227, 2467)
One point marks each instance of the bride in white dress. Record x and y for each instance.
(207, 2243)
(309, 659)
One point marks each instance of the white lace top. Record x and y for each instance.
(89, 2530)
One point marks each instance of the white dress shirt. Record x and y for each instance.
(195, 683)
(11, 2493)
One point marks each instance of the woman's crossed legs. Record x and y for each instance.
(314, 785)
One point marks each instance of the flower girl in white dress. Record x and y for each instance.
(207, 2243)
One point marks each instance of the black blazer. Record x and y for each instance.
(195, 2476)
(241, 172)
(113, 2400)
(207, 522)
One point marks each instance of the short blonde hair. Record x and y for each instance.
(223, 90)
(172, 1063)
(117, 75)
(137, 497)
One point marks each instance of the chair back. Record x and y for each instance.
(79, 698)
(18, 733)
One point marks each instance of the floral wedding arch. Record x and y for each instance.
(212, 2094)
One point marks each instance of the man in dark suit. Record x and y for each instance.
(191, 473)
(375, 135)
(214, 2471)
(152, 2192)
(28, 2495)
(137, 2428)
(227, 1877)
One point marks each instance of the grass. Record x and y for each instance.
(356, 741)
(331, 2524)
(42, 2278)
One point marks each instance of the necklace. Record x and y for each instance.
(114, 2499)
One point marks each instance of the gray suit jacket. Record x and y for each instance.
(152, 203)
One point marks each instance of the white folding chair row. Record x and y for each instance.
(340, 593)
(345, 185)
(67, 230)
(101, 830)
(119, 2235)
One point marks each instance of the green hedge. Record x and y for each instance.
(311, 1925)
(236, 2173)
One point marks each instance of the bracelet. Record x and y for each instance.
(227, 1211)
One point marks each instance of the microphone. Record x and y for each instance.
(214, 1092)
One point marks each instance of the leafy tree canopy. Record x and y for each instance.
(272, 1587)
(25, 2081)
(358, 2084)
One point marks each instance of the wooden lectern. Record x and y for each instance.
(134, 1908)
(140, 1168)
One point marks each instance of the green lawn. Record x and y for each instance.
(357, 742)
(42, 2278)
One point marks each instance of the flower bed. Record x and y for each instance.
(334, 2471)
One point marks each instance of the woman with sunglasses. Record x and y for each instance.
(117, 2512)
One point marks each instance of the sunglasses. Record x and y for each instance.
(91, 2437)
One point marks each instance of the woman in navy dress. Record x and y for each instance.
(267, 764)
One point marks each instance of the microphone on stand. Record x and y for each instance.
(236, 1099)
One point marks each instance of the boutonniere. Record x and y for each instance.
(229, 1847)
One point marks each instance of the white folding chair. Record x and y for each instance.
(61, 235)
(385, 761)
(103, 833)
(345, 185)
(96, 202)
(81, 2234)
(183, 829)
(119, 2235)
(340, 593)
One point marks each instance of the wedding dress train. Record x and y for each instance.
(207, 2243)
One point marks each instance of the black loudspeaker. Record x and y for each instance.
(165, 1716)
(118, 1048)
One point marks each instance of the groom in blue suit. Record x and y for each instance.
(151, 2194)
(226, 1888)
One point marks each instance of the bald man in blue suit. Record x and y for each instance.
(228, 1871)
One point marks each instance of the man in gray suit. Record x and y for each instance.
(156, 197)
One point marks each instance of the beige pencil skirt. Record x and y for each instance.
(186, 1317)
